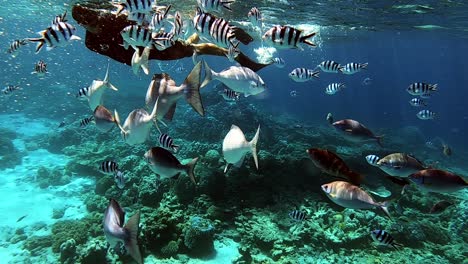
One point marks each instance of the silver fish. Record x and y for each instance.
(104, 119)
(235, 147)
(354, 131)
(115, 230)
(95, 91)
(400, 164)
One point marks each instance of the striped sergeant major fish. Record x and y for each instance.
(303, 75)
(214, 29)
(168, 143)
(230, 95)
(109, 166)
(86, 121)
(83, 92)
(330, 66)
(298, 215)
(58, 35)
(233, 52)
(417, 102)
(426, 114)
(135, 6)
(255, 17)
(333, 88)
(10, 89)
(15, 45)
(215, 5)
(157, 21)
(352, 67)
(40, 68)
(177, 30)
(278, 62)
(372, 159)
(136, 36)
(420, 88)
(383, 238)
(163, 40)
(287, 37)
(142, 19)
(60, 18)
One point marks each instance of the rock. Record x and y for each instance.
(94, 252)
(198, 237)
(58, 213)
(170, 249)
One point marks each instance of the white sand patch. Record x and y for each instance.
(26, 127)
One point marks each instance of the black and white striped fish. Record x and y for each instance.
(233, 52)
(215, 5)
(372, 159)
(157, 21)
(60, 18)
(287, 37)
(330, 66)
(384, 238)
(230, 95)
(426, 114)
(10, 89)
(142, 19)
(278, 62)
(86, 121)
(58, 35)
(163, 40)
(40, 68)
(333, 88)
(420, 88)
(298, 215)
(417, 102)
(303, 74)
(15, 45)
(119, 178)
(109, 166)
(83, 92)
(177, 29)
(167, 142)
(214, 29)
(136, 36)
(255, 17)
(352, 67)
(135, 6)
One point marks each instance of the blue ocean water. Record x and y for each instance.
(248, 208)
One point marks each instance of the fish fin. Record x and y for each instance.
(125, 45)
(192, 89)
(190, 167)
(364, 66)
(170, 114)
(208, 75)
(132, 242)
(397, 246)
(40, 43)
(305, 40)
(144, 60)
(167, 10)
(226, 168)
(227, 4)
(379, 140)
(433, 87)
(253, 145)
(384, 207)
(175, 148)
(117, 121)
(106, 80)
(75, 37)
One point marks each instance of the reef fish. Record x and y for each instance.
(278, 62)
(167, 142)
(237, 78)
(330, 66)
(350, 196)
(383, 238)
(103, 118)
(298, 215)
(215, 5)
(426, 114)
(438, 181)
(235, 147)
(135, 6)
(372, 159)
(354, 131)
(303, 74)
(440, 207)
(40, 68)
(255, 17)
(331, 164)
(164, 87)
(15, 46)
(352, 67)
(333, 88)
(10, 89)
(417, 102)
(136, 128)
(420, 88)
(94, 92)
(166, 165)
(400, 164)
(284, 37)
(214, 29)
(58, 35)
(115, 230)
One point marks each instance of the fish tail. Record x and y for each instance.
(40, 43)
(253, 145)
(433, 87)
(131, 244)
(175, 148)
(107, 82)
(397, 246)
(167, 10)
(154, 112)
(227, 4)
(208, 74)
(305, 40)
(364, 66)
(117, 121)
(379, 140)
(384, 207)
(192, 89)
(190, 168)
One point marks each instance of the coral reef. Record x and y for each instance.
(10, 156)
(51, 177)
(62, 231)
(198, 236)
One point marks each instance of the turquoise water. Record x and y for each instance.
(55, 196)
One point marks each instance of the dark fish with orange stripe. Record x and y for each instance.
(332, 164)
